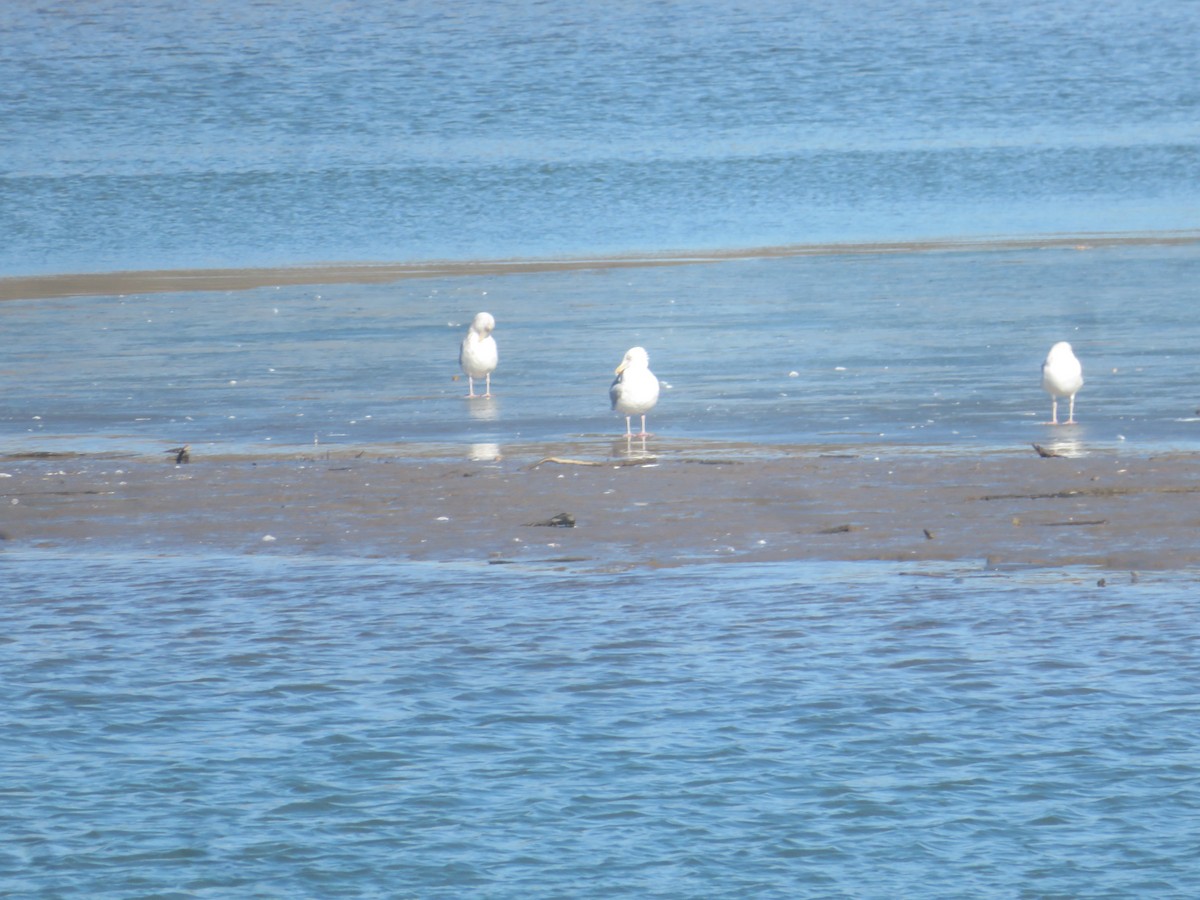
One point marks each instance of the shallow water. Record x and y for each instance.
(234, 726)
(928, 350)
(201, 725)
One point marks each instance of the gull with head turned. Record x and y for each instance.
(635, 389)
(478, 354)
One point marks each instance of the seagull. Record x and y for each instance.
(1062, 376)
(635, 389)
(478, 354)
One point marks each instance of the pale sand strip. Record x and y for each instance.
(36, 287)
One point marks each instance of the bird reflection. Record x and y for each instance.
(484, 452)
(631, 447)
(484, 410)
(1066, 447)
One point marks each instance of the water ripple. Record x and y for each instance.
(243, 726)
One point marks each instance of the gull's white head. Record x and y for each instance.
(635, 358)
(1061, 350)
(1062, 373)
(483, 323)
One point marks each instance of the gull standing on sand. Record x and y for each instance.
(635, 389)
(478, 354)
(1062, 376)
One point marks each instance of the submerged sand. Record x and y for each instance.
(35, 287)
(674, 505)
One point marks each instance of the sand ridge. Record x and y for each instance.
(36, 287)
(673, 505)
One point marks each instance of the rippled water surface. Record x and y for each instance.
(193, 725)
(259, 727)
(909, 349)
(155, 134)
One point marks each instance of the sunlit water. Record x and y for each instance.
(914, 350)
(257, 727)
(196, 725)
(157, 134)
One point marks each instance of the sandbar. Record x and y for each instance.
(40, 287)
(674, 503)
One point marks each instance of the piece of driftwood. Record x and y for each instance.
(565, 461)
(1094, 492)
(562, 520)
(1047, 454)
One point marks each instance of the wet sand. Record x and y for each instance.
(683, 503)
(35, 287)
(690, 502)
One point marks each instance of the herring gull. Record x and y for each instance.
(1062, 376)
(478, 355)
(635, 389)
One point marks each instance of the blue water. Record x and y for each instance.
(236, 727)
(200, 725)
(158, 134)
(908, 350)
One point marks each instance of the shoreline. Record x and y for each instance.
(673, 507)
(57, 286)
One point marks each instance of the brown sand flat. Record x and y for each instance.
(35, 287)
(688, 504)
